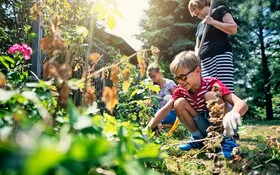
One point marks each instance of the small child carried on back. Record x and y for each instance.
(189, 102)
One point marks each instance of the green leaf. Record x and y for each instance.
(27, 28)
(73, 112)
(133, 93)
(262, 146)
(111, 125)
(5, 59)
(46, 157)
(150, 150)
(111, 22)
(31, 36)
(133, 167)
(245, 149)
(261, 138)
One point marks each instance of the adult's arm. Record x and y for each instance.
(228, 25)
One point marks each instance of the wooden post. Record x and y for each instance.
(36, 60)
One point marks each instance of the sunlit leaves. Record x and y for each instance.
(126, 85)
(82, 31)
(106, 11)
(126, 78)
(111, 22)
(150, 150)
(152, 87)
(100, 9)
(111, 125)
(45, 157)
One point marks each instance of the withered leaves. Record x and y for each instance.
(109, 97)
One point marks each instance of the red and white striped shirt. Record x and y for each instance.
(198, 101)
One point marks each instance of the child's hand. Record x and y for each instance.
(230, 122)
(145, 134)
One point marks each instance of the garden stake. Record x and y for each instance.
(205, 28)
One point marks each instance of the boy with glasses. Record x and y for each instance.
(188, 101)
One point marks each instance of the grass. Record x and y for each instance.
(256, 157)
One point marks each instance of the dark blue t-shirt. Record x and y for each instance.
(215, 42)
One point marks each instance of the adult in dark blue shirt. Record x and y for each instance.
(216, 52)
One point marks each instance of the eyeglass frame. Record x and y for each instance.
(184, 75)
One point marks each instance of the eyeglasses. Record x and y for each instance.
(183, 77)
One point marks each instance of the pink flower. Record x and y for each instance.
(24, 49)
(14, 48)
(27, 51)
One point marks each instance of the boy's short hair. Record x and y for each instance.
(186, 60)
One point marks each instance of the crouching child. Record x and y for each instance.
(189, 102)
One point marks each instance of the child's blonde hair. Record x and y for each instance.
(186, 60)
(153, 67)
(197, 4)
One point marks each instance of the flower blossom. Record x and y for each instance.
(14, 48)
(24, 49)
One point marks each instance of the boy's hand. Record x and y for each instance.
(231, 121)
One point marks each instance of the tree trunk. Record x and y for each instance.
(266, 74)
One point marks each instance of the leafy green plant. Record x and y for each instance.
(137, 103)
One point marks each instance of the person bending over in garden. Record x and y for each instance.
(167, 87)
(189, 102)
(216, 51)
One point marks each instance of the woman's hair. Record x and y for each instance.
(153, 67)
(197, 4)
(186, 60)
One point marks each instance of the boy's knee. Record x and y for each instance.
(181, 104)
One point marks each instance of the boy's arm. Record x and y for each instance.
(161, 114)
(232, 119)
(238, 104)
